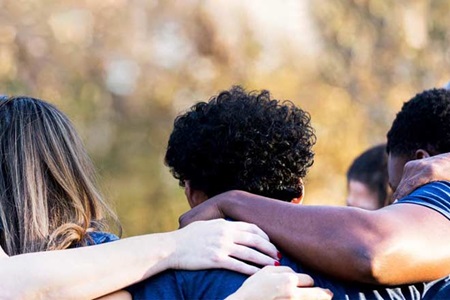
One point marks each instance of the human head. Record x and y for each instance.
(245, 141)
(421, 129)
(367, 179)
(48, 196)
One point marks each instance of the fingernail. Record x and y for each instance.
(329, 292)
(276, 264)
(279, 255)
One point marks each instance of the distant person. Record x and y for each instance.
(367, 180)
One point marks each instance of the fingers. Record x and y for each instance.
(296, 279)
(190, 217)
(252, 228)
(280, 283)
(406, 186)
(415, 174)
(304, 280)
(233, 264)
(251, 255)
(230, 245)
(205, 211)
(257, 242)
(422, 171)
(249, 235)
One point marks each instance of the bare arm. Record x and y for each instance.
(402, 243)
(90, 272)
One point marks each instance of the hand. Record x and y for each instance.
(222, 244)
(279, 283)
(422, 171)
(207, 210)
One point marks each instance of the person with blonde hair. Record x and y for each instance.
(49, 200)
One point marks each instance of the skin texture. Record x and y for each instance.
(269, 283)
(348, 243)
(87, 272)
(279, 283)
(360, 196)
(400, 243)
(419, 172)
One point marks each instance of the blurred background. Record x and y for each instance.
(123, 69)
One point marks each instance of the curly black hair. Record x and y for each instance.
(422, 123)
(244, 141)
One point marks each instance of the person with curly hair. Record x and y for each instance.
(367, 179)
(405, 242)
(244, 141)
(252, 142)
(236, 140)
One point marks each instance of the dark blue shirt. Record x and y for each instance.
(436, 196)
(219, 283)
(99, 237)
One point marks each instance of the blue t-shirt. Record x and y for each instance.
(436, 196)
(99, 237)
(219, 283)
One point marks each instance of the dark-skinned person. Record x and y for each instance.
(252, 142)
(406, 242)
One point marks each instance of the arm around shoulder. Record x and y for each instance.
(401, 243)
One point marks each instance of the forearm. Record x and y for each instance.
(399, 244)
(319, 237)
(85, 273)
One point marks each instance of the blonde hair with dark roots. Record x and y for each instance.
(48, 194)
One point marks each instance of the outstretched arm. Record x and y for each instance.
(401, 243)
(90, 272)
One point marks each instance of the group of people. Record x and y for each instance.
(241, 156)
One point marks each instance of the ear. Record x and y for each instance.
(194, 197)
(421, 154)
(299, 199)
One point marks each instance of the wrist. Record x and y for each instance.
(172, 257)
(163, 247)
(226, 201)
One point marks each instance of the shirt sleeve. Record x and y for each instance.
(435, 195)
(99, 237)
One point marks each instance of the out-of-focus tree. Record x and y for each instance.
(381, 53)
(123, 69)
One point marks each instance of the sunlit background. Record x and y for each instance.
(122, 70)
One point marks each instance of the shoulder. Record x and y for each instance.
(435, 195)
(99, 237)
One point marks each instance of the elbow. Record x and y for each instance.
(372, 264)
